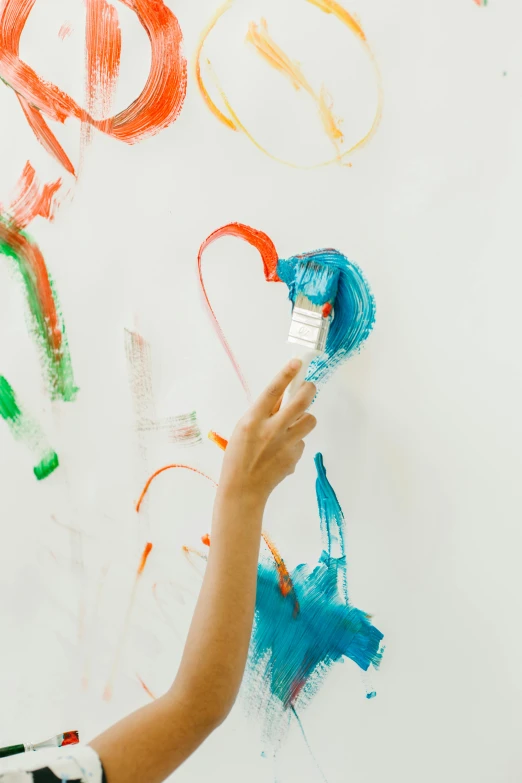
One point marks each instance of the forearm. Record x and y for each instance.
(217, 645)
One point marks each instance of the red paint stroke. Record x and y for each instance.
(327, 310)
(268, 252)
(144, 558)
(65, 30)
(70, 738)
(158, 105)
(30, 200)
(145, 688)
(218, 440)
(162, 470)
(103, 55)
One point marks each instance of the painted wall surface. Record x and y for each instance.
(162, 167)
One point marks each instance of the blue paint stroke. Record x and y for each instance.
(292, 651)
(342, 283)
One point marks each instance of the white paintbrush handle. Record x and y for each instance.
(306, 358)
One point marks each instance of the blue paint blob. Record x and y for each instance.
(342, 283)
(371, 695)
(293, 647)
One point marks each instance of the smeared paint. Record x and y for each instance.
(183, 429)
(159, 103)
(26, 430)
(279, 60)
(481, 3)
(65, 31)
(267, 48)
(46, 322)
(354, 304)
(286, 585)
(109, 688)
(146, 688)
(218, 440)
(162, 470)
(103, 55)
(292, 653)
(354, 307)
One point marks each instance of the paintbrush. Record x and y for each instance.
(60, 741)
(315, 292)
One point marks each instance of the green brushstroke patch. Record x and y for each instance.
(26, 430)
(47, 466)
(60, 376)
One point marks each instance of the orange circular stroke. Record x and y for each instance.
(233, 121)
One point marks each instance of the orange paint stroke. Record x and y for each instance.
(158, 105)
(109, 688)
(145, 688)
(162, 470)
(65, 30)
(144, 558)
(285, 580)
(30, 200)
(268, 252)
(267, 48)
(286, 585)
(103, 55)
(232, 120)
(218, 440)
(45, 136)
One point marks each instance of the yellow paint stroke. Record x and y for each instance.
(265, 45)
(233, 122)
(331, 7)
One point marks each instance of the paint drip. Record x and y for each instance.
(292, 651)
(26, 430)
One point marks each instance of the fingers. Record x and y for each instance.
(297, 406)
(270, 399)
(303, 427)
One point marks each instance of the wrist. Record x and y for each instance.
(243, 493)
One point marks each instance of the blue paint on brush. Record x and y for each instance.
(292, 651)
(340, 282)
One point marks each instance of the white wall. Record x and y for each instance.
(420, 432)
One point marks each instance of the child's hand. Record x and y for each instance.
(268, 443)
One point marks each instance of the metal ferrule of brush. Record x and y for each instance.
(308, 327)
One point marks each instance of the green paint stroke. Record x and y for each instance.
(25, 429)
(46, 320)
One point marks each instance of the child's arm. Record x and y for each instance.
(265, 448)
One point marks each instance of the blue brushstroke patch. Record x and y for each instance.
(292, 649)
(340, 282)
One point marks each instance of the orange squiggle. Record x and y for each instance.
(144, 558)
(267, 48)
(232, 120)
(162, 470)
(65, 30)
(154, 109)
